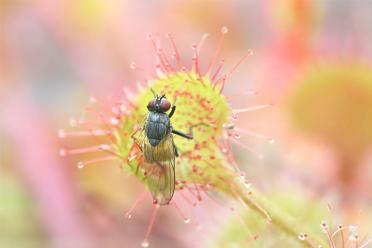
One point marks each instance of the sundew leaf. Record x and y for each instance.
(201, 159)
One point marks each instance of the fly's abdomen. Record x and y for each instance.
(162, 152)
(157, 127)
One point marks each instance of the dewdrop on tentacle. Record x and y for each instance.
(204, 163)
(302, 236)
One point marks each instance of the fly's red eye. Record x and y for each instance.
(164, 105)
(151, 105)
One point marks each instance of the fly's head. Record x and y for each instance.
(159, 104)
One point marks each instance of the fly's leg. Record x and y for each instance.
(175, 150)
(182, 134)
(139, 146)
(172, 110)
(134, 138)
(190, 135)
(136, 141)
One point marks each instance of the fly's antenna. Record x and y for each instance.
(154, 93)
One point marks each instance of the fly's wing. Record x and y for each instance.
(158, 165)
(160, 173)
(139, 135)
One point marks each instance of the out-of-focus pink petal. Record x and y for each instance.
(44, 173)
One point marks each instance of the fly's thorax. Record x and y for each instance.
(157, 127)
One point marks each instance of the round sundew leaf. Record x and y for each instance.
(201, 160)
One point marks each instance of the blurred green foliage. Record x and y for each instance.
(241, 230)
(18, 223)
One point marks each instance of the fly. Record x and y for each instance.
(155, 140)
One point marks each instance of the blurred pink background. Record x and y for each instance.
(54, 55)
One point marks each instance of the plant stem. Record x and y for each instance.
(276, 216)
